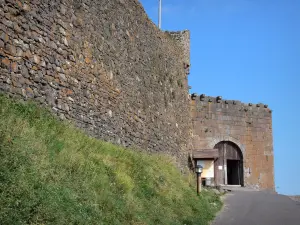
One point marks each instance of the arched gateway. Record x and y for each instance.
(228, 167)
(222, 165)
(232, 141)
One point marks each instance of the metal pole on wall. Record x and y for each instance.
(159, 14)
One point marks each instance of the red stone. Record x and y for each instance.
(6, 62)
(69, 92)
(14, 66)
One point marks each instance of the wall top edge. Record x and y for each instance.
(219, 99)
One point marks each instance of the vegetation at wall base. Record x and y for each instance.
(52, 173)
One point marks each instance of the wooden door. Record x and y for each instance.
(219, 165)
(228, 151)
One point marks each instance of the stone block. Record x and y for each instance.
(1, 43)
(11, 49)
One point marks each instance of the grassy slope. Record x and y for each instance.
(52, 173)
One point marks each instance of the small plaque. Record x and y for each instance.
(220, 167)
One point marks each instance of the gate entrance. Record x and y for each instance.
(233, 172)
(229, 166)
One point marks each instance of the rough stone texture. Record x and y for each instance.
(247, 125)
(183, 40)
(105, 66)
(102, 64)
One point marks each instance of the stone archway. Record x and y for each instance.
(220, 138)
(229, 165)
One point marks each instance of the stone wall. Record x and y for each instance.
(249, 126)
(183, 40)
(102, 64)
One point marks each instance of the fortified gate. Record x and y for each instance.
(233, 141)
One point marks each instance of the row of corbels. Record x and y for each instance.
(203, 97)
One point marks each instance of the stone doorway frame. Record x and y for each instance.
(240, 149)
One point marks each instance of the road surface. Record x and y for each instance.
(258, 208)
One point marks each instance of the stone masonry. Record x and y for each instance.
(107, 68)
(101, 64)
(249, 126)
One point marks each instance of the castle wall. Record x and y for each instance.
(249, 126)
(183, 40)
(101, 64)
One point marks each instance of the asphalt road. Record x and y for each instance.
(258, 208)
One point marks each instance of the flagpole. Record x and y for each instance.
(159, 14)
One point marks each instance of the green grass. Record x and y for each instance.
(52, 173)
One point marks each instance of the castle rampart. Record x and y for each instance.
(105, 66)
(102, 64)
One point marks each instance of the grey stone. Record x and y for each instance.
(26, 7)
(57, 62)
(53, 45)
(36, 59)
(62, 31)
(63, 9)
(24, 71)
(72, 58)
(1, 44)
(8, 23)
(62, 76)
(64, 39)
(19, 52)
(25, 26)
(11, 49)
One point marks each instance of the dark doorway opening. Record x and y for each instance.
(233, 172)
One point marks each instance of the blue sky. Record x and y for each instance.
(247, 50)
